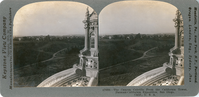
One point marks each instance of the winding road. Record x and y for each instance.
(53, 57)
(143, 56)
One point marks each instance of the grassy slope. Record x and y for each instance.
(29, 52)
(33, 71)
(112, 52)
(123, 74)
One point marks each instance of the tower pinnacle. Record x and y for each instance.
(87, 13)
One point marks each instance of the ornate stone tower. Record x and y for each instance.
(89, 55)
(177, 52)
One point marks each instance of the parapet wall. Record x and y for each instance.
(57, 77)
(149, 77)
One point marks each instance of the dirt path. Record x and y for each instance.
(143, 56)
(53, 57)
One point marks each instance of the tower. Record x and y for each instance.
(89, 55)
(177, 52)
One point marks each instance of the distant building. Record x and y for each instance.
(19, 39)
(128, 37)
(37, 39)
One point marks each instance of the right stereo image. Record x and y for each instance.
(141, 43)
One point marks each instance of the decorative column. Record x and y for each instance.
(96, 35)
(178, 23)
(86, 27)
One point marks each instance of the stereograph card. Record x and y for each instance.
(96, 48)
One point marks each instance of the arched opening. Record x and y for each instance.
(135, 37)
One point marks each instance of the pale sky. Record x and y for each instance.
(65, 18)
(53, 18)
(146, 17)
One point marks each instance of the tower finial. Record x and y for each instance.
(87, 9)
(87, 12)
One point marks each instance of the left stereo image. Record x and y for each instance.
(55, 45)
